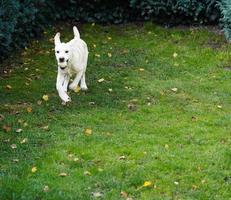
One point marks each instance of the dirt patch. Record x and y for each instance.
(227, 68)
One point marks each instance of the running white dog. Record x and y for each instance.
(72, 60)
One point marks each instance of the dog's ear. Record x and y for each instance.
(57, 38)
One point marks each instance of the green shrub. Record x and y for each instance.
(177, 11)
(226, 17)
(21, 20)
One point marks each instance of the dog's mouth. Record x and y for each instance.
(62, 67)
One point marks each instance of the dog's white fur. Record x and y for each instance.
(72, 60)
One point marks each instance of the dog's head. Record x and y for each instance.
(62, 52)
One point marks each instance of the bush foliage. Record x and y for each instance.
(225, 6)
(21, 20)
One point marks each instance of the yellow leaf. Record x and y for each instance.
(175, 55)
(174, 89)
(34, 169)
(88, 131)
(141, 69)
(97, 55)
(109, 38)
(45, 97)
(29, 109)
(25, 140)
(147, 184)
(87, 173)
(101, 80)
(166, 146)
(219, 106)
(77, 89)
(8, 87)
(13, 146)
(63, 174)
(110, 89)
(109, 55)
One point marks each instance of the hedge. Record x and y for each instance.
(21, 20)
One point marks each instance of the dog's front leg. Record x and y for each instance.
(61, 86)
(75, 82)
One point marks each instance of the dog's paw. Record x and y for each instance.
(65, 98)
(84, 88)
(72, 86)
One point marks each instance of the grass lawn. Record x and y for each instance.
(162, 115)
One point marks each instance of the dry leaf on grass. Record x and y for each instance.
(109, 55)
(6, 128)
(88, 131)
(45, 97)
(34, 169)
(147, 184)
(19, 130)
(29, 109)
(25, 140)
(46, 188)
(174, 89)
(77, 89)
(97, 194)
(63, 174)
(101, 80)
(8, 87)
(87, 173)
(123, 194)
(13, 146)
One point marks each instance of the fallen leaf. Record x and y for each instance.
(39, 102)
(34, 169)
(6, 128)
(29, 109)
(109, 55)
(94, 45)
(109, 38)
(194, 187)
(110, 89)
(76, 159)
(97, 194)
(175, 55)
(123, 194)
(19, 130)
(8, 87)
(91, 103)
(13, 146)
(77, 89)
(2, 117)
(25, 140)
(97, 55)
(45, 97)
(46, 128)
(176, 183)
(174, 89)
(46, 188)
(132, 106)
(219, 106)
(166, 146)
(147, 184)
(88, 131)
(101, 80)
(141, 69)
(63, 174)
(93, 24)
(15, 160)
(122, 157)
(87, 173)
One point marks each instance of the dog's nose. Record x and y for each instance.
(61, 60)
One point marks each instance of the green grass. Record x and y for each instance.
(180, 141)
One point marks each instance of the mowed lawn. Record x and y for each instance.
(157, 125)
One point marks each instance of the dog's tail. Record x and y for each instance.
(76, 32)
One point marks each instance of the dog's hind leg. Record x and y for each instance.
(75, 82)
(83, 84)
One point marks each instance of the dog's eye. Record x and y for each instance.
(57, 51)
(66, 51)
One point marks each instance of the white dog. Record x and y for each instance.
(72, 60)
